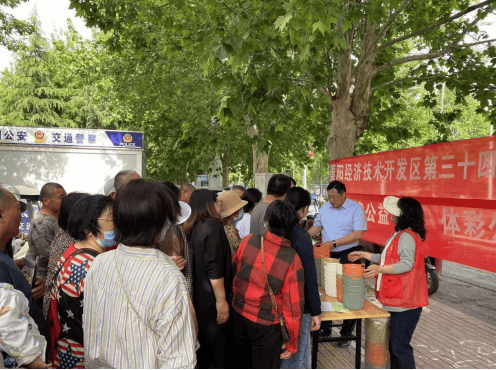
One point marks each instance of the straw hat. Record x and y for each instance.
(230, 202)
(391, 205)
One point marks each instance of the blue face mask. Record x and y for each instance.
(240, 216)
(108, 239)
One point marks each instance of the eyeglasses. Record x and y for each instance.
(335, 197)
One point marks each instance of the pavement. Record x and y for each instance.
(445, 338)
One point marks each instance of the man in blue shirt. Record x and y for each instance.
(342, 222)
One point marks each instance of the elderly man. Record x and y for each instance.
(10, 219)
(123, 177)
(44, 227)
(185, 192)
(343, 223)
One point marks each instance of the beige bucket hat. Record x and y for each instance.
(391, 205)
(230, 202)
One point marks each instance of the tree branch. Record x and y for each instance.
(437, 54)
(441, 22)
(399, 80)
(392, 17)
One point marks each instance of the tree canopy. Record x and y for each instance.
(240, 80)
(332, 61)
(13, 30)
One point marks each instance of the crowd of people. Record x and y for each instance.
(150, 275)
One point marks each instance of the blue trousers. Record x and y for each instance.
(401, 326)
(302, 358)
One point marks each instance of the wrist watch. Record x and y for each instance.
(334, 243)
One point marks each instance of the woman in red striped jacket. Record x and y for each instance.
(264, 264)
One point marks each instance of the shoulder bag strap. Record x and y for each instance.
(271, 292)
(82, 250)
(128, 298)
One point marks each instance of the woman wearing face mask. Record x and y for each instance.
(136, 304)
(231, 211)
(91, 225)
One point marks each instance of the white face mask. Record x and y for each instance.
(163, 233)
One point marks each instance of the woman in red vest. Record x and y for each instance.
(401, 286)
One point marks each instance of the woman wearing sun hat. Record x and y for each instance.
(401, 285)
(231, 208)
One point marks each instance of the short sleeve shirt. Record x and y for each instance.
(257, 225)
(40, 238)
(339, 222)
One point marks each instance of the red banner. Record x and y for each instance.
(453, 182)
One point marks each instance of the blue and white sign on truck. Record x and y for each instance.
(78, 159)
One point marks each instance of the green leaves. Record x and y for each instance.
(319, 25)
(281, 22)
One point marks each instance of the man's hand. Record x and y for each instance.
(179, 261)
(222, 311)
(315, 323)
(39, 289)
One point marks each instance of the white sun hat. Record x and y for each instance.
(185, 213)
(391, 205)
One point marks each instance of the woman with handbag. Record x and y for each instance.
(91, 225)
(268, 293)
(401, 286)
(136, 307)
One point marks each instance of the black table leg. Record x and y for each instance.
(315, 348)
(358, 344)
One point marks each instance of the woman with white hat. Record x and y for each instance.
(401, 286)
(231, 208)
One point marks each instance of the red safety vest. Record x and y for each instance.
(408, 290)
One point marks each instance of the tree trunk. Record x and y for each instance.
(260, 159)
(350, 106)
(225, 170)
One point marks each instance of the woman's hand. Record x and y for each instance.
(372, 271)
(286, 355)
(315, 323)
(179, 261)
(355, 256)
(222, 311)
(39, 288)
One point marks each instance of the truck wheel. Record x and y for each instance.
(432, 280)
